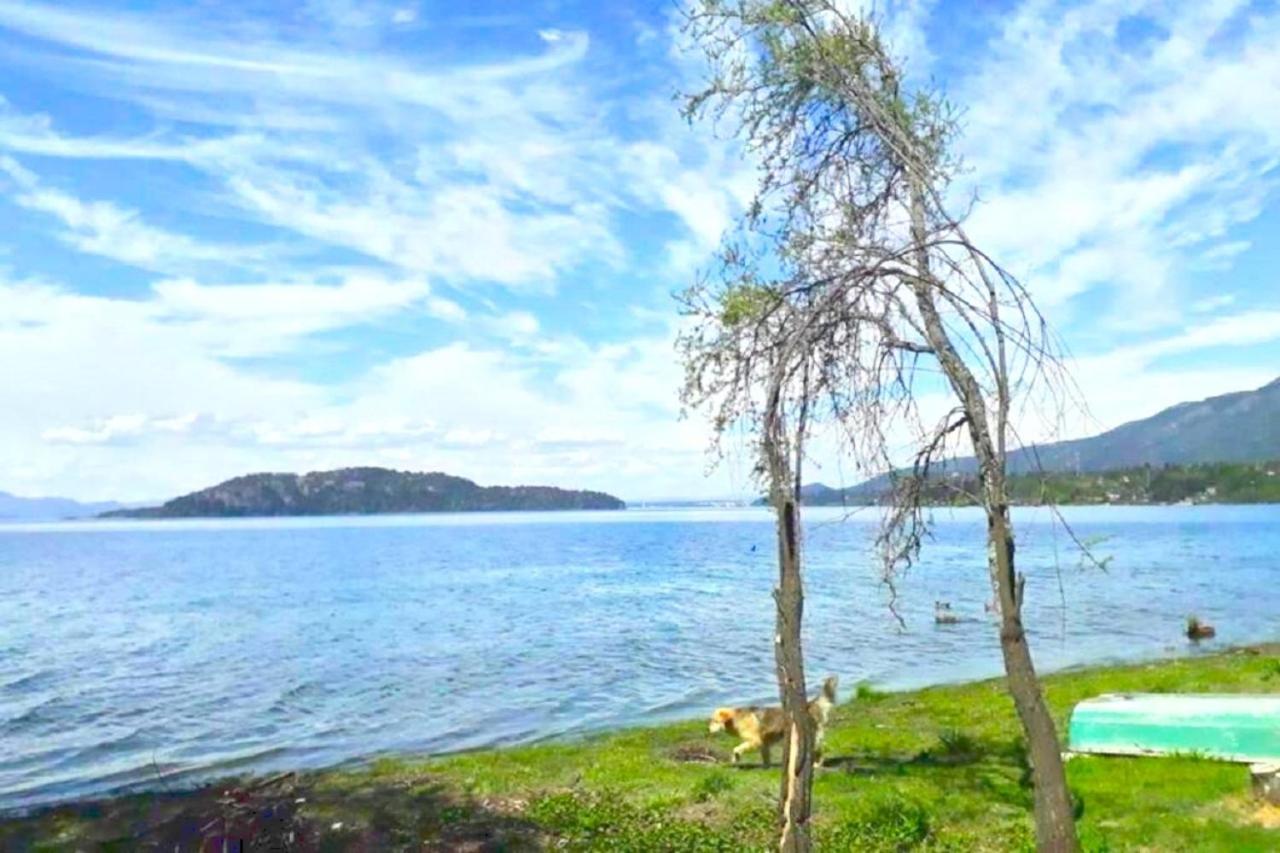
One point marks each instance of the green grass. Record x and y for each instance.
(936, 769)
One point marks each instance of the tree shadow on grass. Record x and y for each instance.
(999, 775)
(954, 749)
(358, 811)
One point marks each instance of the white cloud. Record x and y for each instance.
(105, 229)
(259, 319)
(105, 430)
(1213, 303)
(461, 233)
(1106, 167)
(466, 207)
(1132, 381)
(35, 134)
(509, 171)
(516, 326)
(105, 381)
(83, 373)
(446, 309)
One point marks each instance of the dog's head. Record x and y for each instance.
(721, 719)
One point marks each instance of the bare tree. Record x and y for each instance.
(756, 355)
(851, 295)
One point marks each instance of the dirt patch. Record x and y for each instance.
(285, 813)
(1250, 810)
(1267, 816)
(697, 753)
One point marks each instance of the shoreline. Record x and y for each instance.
(195, 778)
(529, 794)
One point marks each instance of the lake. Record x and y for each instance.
(155, 654)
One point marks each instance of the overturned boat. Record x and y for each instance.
(1240, 727)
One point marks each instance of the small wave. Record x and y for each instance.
(32, 717)
(300, 698)
(135, 738)
(40, 678)
(681, 704)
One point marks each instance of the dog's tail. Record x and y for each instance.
(829, 689)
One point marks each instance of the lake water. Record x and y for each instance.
(154, 654)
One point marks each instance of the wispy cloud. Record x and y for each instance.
(492, 172)
(1107, 163)
(106, 229)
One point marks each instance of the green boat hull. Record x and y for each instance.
(1230, 727)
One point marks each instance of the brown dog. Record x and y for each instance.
(761, 728)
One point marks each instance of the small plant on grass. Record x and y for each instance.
(954, 743)
(387, 766)
(884, 823)
(864, 692)
(1271, 669)
(1022, 759)
(709, 786)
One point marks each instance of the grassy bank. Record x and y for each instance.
(935, 769)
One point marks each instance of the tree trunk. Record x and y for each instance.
(1055, 826)
(797, 750)
(1055, 820)
(797, 747)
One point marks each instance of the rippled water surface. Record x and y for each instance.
(146, 654)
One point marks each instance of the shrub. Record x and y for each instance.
(954, 743)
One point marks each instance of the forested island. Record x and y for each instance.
(1217, 482)
(363, 491)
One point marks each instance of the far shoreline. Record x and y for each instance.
(635, 508)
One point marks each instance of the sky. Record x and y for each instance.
(248, 236)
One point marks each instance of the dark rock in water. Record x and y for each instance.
(352, 491)
(1197, 630)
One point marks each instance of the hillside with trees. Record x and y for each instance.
(1217, 482)
(364, 491)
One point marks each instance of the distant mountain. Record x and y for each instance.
(14, 508)
(352, 491)
(1240, 427)
(820, 494)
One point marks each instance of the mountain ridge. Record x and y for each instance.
(17, 508)
(1240, 426)
(1236, 427)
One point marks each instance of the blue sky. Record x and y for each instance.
(269, 236)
